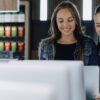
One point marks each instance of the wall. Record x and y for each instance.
(51, 5)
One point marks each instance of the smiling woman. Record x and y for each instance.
(67, 41)
(97, 28)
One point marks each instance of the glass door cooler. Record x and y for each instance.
(14, 33)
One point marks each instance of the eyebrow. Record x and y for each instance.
(97, 23)
(68, 17)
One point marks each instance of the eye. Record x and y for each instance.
(71, 19)
(97, 25)
(60, 21)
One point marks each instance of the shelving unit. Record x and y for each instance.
(14, 32)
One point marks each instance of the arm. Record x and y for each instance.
(94, 56)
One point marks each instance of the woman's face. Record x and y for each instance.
(66, 22)
(97, 23)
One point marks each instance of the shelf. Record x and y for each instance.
(14, 32)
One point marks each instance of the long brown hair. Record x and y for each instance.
(73, 9)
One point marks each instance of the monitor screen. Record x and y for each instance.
(65, 76)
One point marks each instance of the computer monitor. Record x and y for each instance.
(65, 76)
(91, 76)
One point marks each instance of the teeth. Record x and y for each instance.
(66, 29)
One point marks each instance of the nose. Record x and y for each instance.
(66, 24)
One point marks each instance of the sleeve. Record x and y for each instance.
(94, 55)
(41, 51)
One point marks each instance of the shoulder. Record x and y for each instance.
(88, 41)
(45, 42)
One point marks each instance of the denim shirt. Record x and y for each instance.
(47, 51)
(90, 52)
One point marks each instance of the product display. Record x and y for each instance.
(7, 31)
(1, 31)
(14, 46)
(14, 33)
(1, 46)
(7, 46)
(20, 47)
(20, 31)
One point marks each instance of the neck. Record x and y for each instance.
(67, 40)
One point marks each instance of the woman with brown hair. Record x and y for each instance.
(67, 41)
